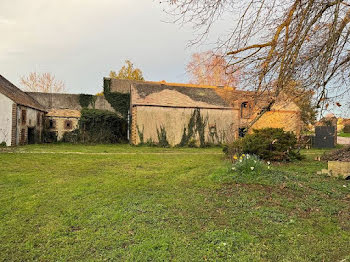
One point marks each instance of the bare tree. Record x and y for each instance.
(277, 42)
(208, 68)
(42, 82)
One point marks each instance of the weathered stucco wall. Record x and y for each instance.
(150, 118)
(60, 126)
(34, 119)
(284, 114)
(288, 120)
(5, 119)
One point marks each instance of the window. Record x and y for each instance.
(68, 125)
(245, 110)
(52, 123)
(24, 117)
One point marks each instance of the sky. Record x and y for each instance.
(80, 41)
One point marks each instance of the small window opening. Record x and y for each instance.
(52, 123)
(245, 110)
(68, 125)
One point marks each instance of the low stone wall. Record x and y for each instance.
(339, 169)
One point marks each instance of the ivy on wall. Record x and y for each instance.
(86, 100)
(162, 139)
(119, 101)
(140, 133)
(196, 125)
(98, 126)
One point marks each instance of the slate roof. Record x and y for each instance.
(17, 95)
(157, 94)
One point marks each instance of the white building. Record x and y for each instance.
(21, 116)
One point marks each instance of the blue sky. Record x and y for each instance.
(80, 41)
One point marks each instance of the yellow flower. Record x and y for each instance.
(235, 157)
(243, 155)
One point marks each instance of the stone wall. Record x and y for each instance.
(339, 169)
(147, 119)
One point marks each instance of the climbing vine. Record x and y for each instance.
(98, 126)
(86, 100)
(196, 125)
(119, 101)
(162, 139)
(140, 133)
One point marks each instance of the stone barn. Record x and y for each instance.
(160, 108)
(181, 115)
(21, 116)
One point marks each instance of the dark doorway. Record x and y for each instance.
(31, 135)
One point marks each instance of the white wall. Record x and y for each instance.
(5, 119)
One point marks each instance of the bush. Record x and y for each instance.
(72, 137)
(3, 144)
(346, 129)
(272, 144)
(99, 126)
(49, 136)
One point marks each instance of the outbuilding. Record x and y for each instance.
(21, 116)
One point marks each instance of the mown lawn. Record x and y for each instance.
(344, 134)
(70, 203)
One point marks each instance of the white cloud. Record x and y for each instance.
(82, 40)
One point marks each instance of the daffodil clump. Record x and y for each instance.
(246, 164)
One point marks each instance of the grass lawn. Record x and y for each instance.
(344, 134)
(71, 202)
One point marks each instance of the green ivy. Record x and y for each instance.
(162, 139)
(140, 133)
(86, 100)
(196, 125)
(119, 101)
(98, 126)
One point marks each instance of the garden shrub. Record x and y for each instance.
(268, 143)
(49, 136)
(72, 137)
(3, 144)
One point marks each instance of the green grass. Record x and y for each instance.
(109, 202)
(344, 134)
